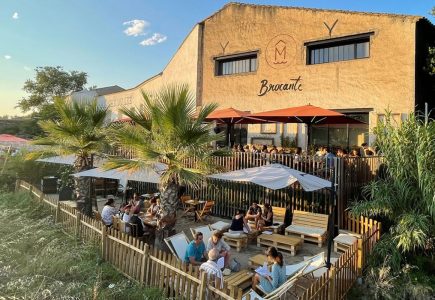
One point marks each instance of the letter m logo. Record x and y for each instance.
(280, 52)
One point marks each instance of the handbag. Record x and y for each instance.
(235, 266)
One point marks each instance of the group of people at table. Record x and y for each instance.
(206, 255)
(131, 213)
(210, 254)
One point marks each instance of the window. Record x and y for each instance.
(338, 49)
(234, 64)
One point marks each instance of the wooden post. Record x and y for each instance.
(17, 185)
(57, 216)
(78, 223)
(331, 289)
(103, 241)
(143, 267)
(41, 197)
(202, 286)
(360, 253)
(30, 189)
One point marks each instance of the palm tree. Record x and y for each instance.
(167, 129)
(79, 130)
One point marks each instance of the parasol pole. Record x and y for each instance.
(331, 221)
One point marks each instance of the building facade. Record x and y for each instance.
(257, 58)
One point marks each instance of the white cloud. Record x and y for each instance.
(27, 68)
(135, 27)
(157, 38)
(15, 16)
(8, 57)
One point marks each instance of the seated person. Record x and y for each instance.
(126, 216)
(266, 218)
(216, 242)
(212, 270)
(254, 213)
(139, 228)
(195, 252)
(108, 211)
(238, 223)
(153, 209)
(277, 278)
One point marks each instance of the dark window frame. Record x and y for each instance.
(241, 63)
(339, 49)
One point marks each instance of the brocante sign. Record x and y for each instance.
(280, 54)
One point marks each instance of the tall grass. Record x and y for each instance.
(39, 261)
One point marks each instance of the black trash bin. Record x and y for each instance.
(49, 184)
(65, 193)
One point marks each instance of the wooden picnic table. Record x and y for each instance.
(282, 242)
(195, 203)
(258, 260)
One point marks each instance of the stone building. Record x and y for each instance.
(257, 58)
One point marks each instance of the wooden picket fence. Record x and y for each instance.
(336, 283)
(155, 268)
(132, 257)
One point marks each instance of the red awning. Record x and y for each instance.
(9, 138)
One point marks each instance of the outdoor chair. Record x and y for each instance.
(177, 244)
(206, 210)
(206, 231)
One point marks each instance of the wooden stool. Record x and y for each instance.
(343, 241)
(238, 242)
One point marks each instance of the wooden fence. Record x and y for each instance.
(155, 268)
(335, 283)
(348, 174)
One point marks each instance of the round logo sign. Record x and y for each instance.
(281, 51)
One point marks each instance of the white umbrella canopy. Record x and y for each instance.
(275, 177)
(68, 160)
(151, 174)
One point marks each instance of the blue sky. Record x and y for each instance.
(119, 42)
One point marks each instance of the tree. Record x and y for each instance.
(80, 130)
(167, 129)
(50, 83)
(405, 195)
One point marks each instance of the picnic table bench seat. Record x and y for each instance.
(310, 226)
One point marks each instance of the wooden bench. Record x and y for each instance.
(310, 226)
(278, 218)
(282, 242)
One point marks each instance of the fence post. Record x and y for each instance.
(103, 241)
(144, 264)
(41, 197)
(360, 252)
(331, 288)
(30, 189)
(57, 216)
(79, 221)
(17, 185)
(202, 286)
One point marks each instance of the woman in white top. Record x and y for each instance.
(127, 216)
(109, 210)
